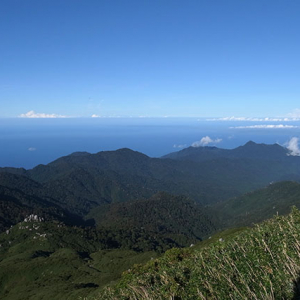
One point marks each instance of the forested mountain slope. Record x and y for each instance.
(51, 259)
(81, 181)
(256, 206)
(163, 215)
(261, 263)
(250, 150)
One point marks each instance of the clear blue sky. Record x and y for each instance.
(150, 58)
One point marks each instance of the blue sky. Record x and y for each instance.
(150, 58)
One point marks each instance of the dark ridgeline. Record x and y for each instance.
(81, 186)
(205, 174)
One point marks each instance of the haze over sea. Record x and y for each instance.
(29, 142)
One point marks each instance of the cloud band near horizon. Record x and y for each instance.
(32, 114)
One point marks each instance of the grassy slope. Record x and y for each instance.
(261, 263)
(64, 274)
(65, 263)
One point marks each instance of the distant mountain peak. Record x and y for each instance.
(125, 150)
(121, 150)
(80, 153)
(250, 150)
(130, 152)
(250, 143)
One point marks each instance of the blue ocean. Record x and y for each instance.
(29, 142)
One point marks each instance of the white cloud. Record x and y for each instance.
(179, 146)
(230, 119)
(205, 141)
(95, 116)
(267, 119)
(292, 145)
(33, 114)
(280, 126)
(31, 149)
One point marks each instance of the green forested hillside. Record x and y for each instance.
(254, 207)
(57, 261)
(20, 196)
(174, 218)
(261, 263)
(81, 181)
(49, 260)
(123, 175)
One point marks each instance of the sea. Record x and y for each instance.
(29, 142)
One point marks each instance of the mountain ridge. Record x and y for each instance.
(262, 151)
(215, 174)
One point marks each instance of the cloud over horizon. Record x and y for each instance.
(32, 149)
(266, 119)
(280, 126)
(33, 114)
(205, 141)
(292, 145)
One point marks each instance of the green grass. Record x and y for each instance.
(224, 235)
(64, 274)
(261, 263)
(64, 264)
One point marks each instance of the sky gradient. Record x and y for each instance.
(149, 58)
